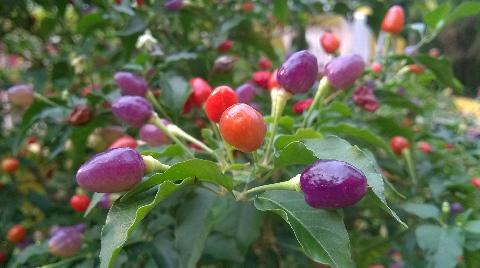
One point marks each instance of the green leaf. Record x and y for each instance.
(280, 10)
(336, 108)
(171, 150)
(294, 153)
(196, 219)
(465, 9)
(394, 100)
(321, 233)
(90, 22)
(347, 130)
(202, 170)
(27, 253)
(389, 127)
(62, 70)
(80, 135)
(472, 258)
(124, 217)
(93, 203)
(240, 225)
(423, 211)
(442, 245)
(175, 91)
(435, 19)
(472, 227)
(442, 69)
(36, 112)
(300, 134)
(135, 25)
(184, 55)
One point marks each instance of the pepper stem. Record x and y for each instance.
(323, 90)
(157, 122)
(279, 98)
(175, 130)
(292, 184)
(44, 99)
(153, 165)
(156, 104)
(406, 153)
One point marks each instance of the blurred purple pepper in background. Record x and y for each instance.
(343, 71)
(133, 110)
(131, 84)
(245, 93)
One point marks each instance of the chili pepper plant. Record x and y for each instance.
(181, 134)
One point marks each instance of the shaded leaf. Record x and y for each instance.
(321, 233)
(90, 22)
(175, 91)
(473, 227)
(423, 211)
(442, 246)
(442, 69)
(465, 9)
(347, 130)
(124, 217)
(280, 10)
(435, 19)
(301, 134)
(196, 219)
(96, 197)
(135, 25)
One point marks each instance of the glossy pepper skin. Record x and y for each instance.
(65, 243)
(133, 110)
(16, 234)
(245, 93)
(329, 42)
(115, 170)
(298, 73)
(398, 144)
(343, 71)
(332, 184)
(394, 20)
(220, 99)
(243, 127)
(131, 84)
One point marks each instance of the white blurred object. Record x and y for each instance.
(361, 36)
(146, 40)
